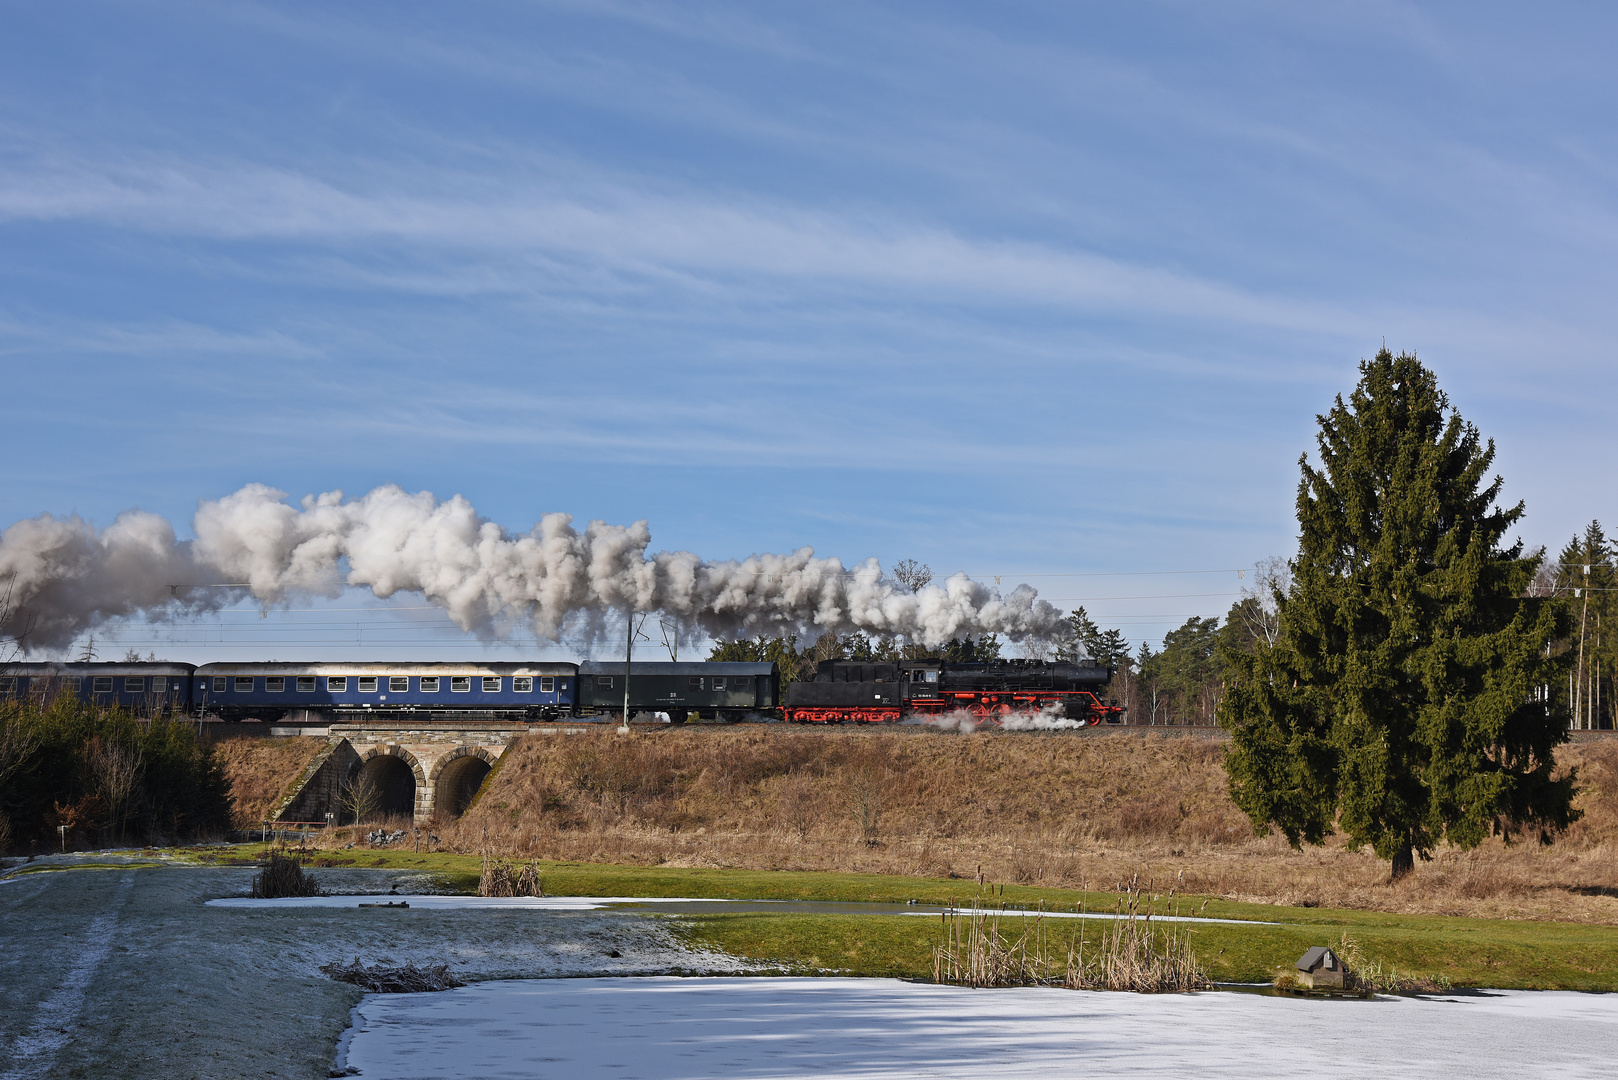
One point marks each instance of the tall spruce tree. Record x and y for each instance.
(1410, 697)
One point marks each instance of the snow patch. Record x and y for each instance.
(667, 1028)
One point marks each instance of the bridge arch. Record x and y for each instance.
(457, 776)
(395, 776)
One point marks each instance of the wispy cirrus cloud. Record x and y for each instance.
(668, 236)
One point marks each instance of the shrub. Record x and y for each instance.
(282, 876)
(104, 773)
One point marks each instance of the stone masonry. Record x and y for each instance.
(430, 750)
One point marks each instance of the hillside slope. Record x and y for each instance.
(261, 770)
(1039, 809)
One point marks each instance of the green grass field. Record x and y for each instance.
(1467, 952)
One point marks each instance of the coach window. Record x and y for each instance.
(718, 682)
(306, 684)
(491, 684)
(160, 684)
(273, 684)
(74, 685)
(460, 684)
(398, 684)
(547, 684)
(244, 686)
(429, 684)
(521, 684)
(219, 684)
(102, 685)
(694, 683)
(337, 684)
(135, 685)
(604, 682)
(367, 684)
(8, 685)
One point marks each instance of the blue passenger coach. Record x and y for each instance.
(144, 686)
(275, 691)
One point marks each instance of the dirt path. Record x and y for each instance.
(126, 972)
(58, 1015)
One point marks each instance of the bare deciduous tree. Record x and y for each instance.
(865, 784)
(1272, 576)
(116, 770)
(796, 802)
(359, 798)
(18, 741)
(912, 574)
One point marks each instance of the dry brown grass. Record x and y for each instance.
(261, 770)
(1058, 810)
(1131, 953)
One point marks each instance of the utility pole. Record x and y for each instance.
(629, 650)
(1584, 619)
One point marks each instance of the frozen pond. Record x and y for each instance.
(673, 1028)
(666, 905)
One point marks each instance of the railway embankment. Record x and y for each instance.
(263, 772)
(1054, 810)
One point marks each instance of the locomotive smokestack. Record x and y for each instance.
(65, 577)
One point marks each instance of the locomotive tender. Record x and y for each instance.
(842, 690)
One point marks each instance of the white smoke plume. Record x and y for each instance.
(65, 577)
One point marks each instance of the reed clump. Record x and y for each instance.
(282, 876)
(1370, 975)
(1132, 954)
(405, 979)
(502, 877)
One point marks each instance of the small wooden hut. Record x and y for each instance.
(1321, 969)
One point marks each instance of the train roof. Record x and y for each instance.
(677, 667)
(374, 667)
(80, 669)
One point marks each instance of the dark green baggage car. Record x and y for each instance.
(716, 690)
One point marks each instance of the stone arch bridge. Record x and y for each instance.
(420, 770)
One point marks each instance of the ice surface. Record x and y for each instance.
(446, 903)
(437, 902)
(668, 1028)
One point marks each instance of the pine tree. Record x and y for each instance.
(1112, 649)
(1082, 635)
(1410, 696)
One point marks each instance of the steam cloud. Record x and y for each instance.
(1048, 718)
(65, 577)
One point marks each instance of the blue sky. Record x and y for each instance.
(1015, 289)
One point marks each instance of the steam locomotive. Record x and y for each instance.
(853, 690)
(842, 690)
